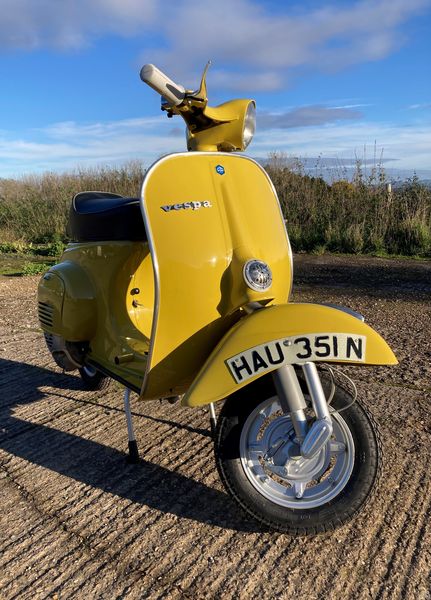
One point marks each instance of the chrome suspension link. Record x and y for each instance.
(321, 430)
(291, 398)
(292, 401)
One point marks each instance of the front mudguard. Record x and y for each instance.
(286, 334)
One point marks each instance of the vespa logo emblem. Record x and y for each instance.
(186, 205)
(220, 169)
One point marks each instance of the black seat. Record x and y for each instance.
(102, 217)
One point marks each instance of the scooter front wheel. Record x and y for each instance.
(94, 379)
(261, 467)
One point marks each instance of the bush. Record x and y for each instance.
(410, 237)
(18, 247)
(352, 240)
(55, 249)
(8, 248)
(361, 215)
(36, 208)
(34, 268)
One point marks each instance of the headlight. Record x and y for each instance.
(257, 275)
(249, 124)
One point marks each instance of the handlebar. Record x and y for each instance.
(171, 91)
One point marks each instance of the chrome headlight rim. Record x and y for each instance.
(249, 125)
(265, 275)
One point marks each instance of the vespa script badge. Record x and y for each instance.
(186, 205)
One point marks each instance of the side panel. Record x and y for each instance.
(67, 295)
(103, 293)
(289, 334)
(206, 214)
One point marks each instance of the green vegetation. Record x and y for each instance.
(361, 215)
(34, 209)
(353, 215)
(23, 264)
(54, 249)
(34, 268)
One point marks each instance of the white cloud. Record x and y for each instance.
(352, 105)
(266, 81)
(306, 116)
(69, 24)
(423, 106)
(69, 130)
(64, 146)
(410, 146)
(263, 47)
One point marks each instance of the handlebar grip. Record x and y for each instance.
(171, 91)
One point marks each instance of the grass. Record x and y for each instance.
(356, 215)
(23, 264)
(35, 208)
(34, 268)
(22, 258)
(54, 249)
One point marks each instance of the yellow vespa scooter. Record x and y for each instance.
(183, 293)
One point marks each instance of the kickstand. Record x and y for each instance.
(133, 456)
(213, 419)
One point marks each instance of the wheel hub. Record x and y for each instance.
(271, 460)
(283, 457)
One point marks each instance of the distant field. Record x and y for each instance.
(360, 215)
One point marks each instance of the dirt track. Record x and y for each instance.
(77, 522)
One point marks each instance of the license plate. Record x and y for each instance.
(296, 350)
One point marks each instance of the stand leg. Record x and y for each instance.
(213, 419)
(133, 456)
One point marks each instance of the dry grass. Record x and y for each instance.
(360, 215)
(356, 215)
(35, 208)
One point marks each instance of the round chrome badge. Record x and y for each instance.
(257, 275)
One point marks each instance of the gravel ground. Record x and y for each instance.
(77, 521)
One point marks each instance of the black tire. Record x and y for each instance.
(93, 379)
(365, 468)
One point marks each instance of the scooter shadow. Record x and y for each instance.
(98, 465)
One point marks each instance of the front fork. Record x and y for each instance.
(310, 439)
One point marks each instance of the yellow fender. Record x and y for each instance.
(286, 334)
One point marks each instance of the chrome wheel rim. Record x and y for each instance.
(272, 463)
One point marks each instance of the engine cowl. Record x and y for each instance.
(67, 303)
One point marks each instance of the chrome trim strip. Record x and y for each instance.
(345, 309)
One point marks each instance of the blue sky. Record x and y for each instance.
(337, 80)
